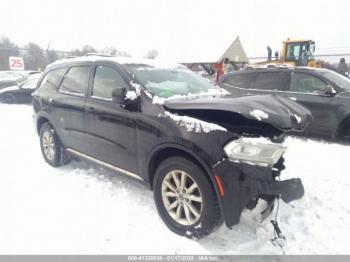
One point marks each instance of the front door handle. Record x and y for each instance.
(91, 109)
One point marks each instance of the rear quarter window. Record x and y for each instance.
(76, 80)
(240, 80)
(52, 79)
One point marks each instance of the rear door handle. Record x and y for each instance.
(50, 100)
(91, 109)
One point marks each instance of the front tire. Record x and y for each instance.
(344, 134)
(51, 146)
(185, 198)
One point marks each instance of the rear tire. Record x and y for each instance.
(51, 146)
(188, 206)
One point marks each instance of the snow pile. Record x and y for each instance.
(137, 87)
(84, 209)
(259, 114)
(256, 140)
(194, 125)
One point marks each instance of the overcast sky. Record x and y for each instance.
(171, 26)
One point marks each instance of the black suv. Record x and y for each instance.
(206, 157)
(325, 93)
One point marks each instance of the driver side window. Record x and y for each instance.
(304, 83)
(106, 79)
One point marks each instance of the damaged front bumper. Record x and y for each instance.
(244, 184)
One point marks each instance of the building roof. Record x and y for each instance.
(216, 53)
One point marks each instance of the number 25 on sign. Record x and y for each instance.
(16, 63)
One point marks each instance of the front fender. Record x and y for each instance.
(342, 123)
(202, 158)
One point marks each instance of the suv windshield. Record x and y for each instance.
(338, 79)
(167, 82)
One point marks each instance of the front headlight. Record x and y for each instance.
(257, 151)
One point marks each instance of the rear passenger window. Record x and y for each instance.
(270, 81)
(52, 78)
(76, 80)
(240, 80)
(105, 81)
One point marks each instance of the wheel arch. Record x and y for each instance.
(41, 118)
(40, 122)
(345, 122)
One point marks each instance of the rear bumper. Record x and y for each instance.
(243, 183)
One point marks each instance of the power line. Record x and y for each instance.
(69, 52)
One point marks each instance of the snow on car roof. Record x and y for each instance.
(272, 67)
(120, 60)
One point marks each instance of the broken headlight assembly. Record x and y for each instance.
(254, 151)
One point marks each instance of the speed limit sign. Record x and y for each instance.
(16, 63)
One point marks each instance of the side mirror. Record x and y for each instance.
(327, 91)
(118, 95)
(127, 99)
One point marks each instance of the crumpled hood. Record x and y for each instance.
(277, 111)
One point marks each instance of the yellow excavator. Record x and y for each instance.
(297, 53)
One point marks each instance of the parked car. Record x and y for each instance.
(20, 93)
(11, 78)
(206, 157)
(325, 93)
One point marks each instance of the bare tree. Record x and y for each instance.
(109, 50)
(7, 48)
(85, 50)
(52, 56)
(76, 52)
(152, 54)
(122, 53)
(88, 49)
(34, 58)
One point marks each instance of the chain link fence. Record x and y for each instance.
(36, 58)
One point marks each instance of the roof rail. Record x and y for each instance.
(98, 54)
(269, 66)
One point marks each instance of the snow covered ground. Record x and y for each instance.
(83, 209)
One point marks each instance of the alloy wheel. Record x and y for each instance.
(48, 143)
(182, 197)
